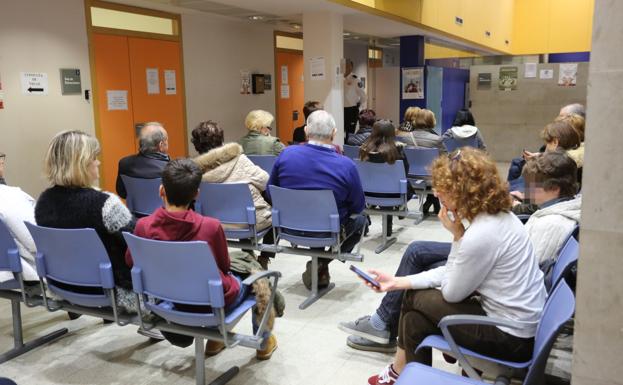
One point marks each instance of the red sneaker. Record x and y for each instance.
(387, 377)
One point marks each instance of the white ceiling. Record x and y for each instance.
(283, 13)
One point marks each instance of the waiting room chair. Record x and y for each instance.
(558, 309)
(420, 161)
(452, 144)
(567, 257)
(167, 275)
(143, 195)
(265, 162)
(351, 151)
(309, 218)
(232, 204)
(75, 266)
(15, 291)
(7, 381)
(385, 189)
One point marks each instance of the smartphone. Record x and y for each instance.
(365, 276)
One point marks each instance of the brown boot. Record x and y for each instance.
(269, 348)
(263, 261)
(213, 348)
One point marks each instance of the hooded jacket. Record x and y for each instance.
(464, 134)
(550, 227)
(187, 225)
(227, 164)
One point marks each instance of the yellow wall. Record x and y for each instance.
(433, 51)
(552, 26)
(516, 27)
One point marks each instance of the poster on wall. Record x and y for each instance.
(268, 82)
(1, 95)
(413, 83)
(530, 70)
(284, 74)
(568, 74)
(34, 83)
(285, 91)
(245, 82)
(508, 78)
(153, 83)
(170, 85)
(546, 74)
(317, 68)
(484, 80)
(117, 100)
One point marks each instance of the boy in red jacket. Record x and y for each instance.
(177, 222)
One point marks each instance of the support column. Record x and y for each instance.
(322, 37)
(411, 55)
(598, 341)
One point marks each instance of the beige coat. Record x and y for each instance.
(227, 164)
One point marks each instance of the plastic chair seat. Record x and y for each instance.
(439, 343)
(416, 373)
(11, 284)
(244, 233)
(89, 300)
(165, 310)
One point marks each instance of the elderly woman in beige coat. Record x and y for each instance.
(226, 163)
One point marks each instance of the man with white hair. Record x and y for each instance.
(151, 158)
(316, 166)
(575, 108)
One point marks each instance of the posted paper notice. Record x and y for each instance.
(170, 87)
(317, 68)
(117, 100)
(153, 83)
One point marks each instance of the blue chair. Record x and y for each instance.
(7, 381)
(567, 257)
(143, 195)
(420, 160)
(558, 309)
(309, 218)
(265, 162)
(166, 274)
(14, 291)
(384, 185)
(351, 151)
(452, 143)
(232, 204)
(75, 267)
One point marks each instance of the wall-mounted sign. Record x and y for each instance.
(34, 83)
(317, 68)
(508, 78)
(413, 83)
(484, 80)
(70, 81)
(568, 74)
(1, 95)
(257, 83)
(153, 82)
(546, 74)
(268, 82)
(529, 70)
(170, 86)
(117, 100)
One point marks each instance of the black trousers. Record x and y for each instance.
(351, 115)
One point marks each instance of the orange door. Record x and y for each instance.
(290, 108)
(121, 64)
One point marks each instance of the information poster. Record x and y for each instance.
(530, 70)
(508, 78)
(568, 74)
(413, 83)
(170, 86)
(317, 68)
(546, 74)
(245, 82)
(34, 83)
(284, 74)
(117, 100)
(268, 82)
(285, 91)
(153, 83)
(1, 95)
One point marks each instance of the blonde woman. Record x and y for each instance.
(403, 133)
(72, 167)
(503, 270)
(259, 141)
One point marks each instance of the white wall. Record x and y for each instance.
(215, 50)
(386, 97)
(40, 36)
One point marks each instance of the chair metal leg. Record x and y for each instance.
(19, 347)
(200, 368)
(315, 292)
(387, 242)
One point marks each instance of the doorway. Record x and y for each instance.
(289, 91)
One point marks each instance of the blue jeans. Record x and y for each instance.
(420, 256)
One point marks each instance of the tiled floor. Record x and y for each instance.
(311, 348)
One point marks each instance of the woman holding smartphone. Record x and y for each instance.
(502, 269)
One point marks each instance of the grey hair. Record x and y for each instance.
(575, 108)
(149, 140)
(320, 125)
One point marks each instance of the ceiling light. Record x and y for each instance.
(295, 25)
(355, 37)
(346, 33)
(256, 17)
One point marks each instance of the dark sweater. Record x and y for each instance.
(187, 225)
(74, 208)
(311, 167)
(362, 134)
(141, 165)
(298, 136)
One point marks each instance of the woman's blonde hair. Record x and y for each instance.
(471, 181)
(576, 121)
(258, 119)
(68, 158)
(425, 119)
(411, 114)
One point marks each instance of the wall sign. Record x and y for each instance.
(153, 82)
(170, 86)
(568, 74)
(70, 81)
(34, 83)
(317, 68)
(117, 100)
(508, 78)
(413, 83)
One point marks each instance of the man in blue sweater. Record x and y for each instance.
(316, 166)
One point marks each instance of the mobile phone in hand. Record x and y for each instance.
(365, 276)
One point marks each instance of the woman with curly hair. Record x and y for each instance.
(501, 269)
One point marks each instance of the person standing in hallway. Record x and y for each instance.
(151, 158)
(354, 97)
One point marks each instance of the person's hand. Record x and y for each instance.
(454, 226)
(518, 195)
(387, 282)
(527, 155)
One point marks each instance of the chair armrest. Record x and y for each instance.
(259, 275)
(467, 319)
